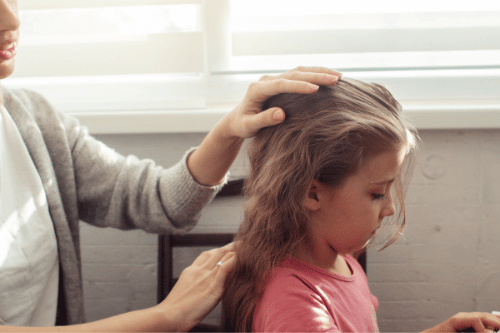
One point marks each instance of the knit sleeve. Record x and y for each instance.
(128, 193)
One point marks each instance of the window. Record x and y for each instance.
(365, 35)
(192, 60)
(112, 55)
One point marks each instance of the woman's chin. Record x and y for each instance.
(6, 68)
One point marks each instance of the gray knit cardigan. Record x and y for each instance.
(85, 180)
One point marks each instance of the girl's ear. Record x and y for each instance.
(312, 198)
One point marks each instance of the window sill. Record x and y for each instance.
(432, 99)
(435, 117)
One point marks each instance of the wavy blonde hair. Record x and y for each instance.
(325, 136)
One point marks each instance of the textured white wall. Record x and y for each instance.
(446, 262)
(448, 259)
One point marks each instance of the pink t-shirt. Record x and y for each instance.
(300, 297)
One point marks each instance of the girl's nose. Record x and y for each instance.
(389, 208)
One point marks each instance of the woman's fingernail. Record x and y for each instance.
(313, 87)
(336, 73)
(333, 78)
(278, 115)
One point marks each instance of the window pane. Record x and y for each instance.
(364, 34)
(248, 8)
(75, 41)
(112, 23)
(134, 57)
(328, 14)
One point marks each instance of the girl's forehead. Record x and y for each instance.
(384, 167)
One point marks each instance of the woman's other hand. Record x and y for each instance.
(478, 321)
(248, 117)
(193, 297)
(199, 288)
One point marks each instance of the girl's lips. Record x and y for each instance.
(8, 53)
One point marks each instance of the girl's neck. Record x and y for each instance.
(334, 263)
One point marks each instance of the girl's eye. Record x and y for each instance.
(378, 196)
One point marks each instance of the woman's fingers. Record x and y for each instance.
(469, 322)
(479, 321)
(314, 75)
(258, 92)
(228, 263)
(266, 118)
(311, 70)
(248, 117)
(477, 325)
(485, 322)
(299, 83)
(316, 69)
(218, 259)
(211, 257)
(200, 287)
(492, 322)
(225, 264)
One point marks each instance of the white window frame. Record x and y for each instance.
(439, 98)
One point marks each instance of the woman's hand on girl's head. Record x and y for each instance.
(248, 117)
(199, 288)
(478, 321)
(210, 162)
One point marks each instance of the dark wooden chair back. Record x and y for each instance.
(166, 244)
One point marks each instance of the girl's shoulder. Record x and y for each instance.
(296, 294)
(293, 275)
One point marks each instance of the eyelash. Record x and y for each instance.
(377, 196)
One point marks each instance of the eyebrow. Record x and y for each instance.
(384, 182)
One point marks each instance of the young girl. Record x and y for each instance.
(320, 185)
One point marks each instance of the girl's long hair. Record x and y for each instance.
(325, 136)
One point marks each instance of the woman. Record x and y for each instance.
(53, 174)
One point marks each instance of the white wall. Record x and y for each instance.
(446, 262)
